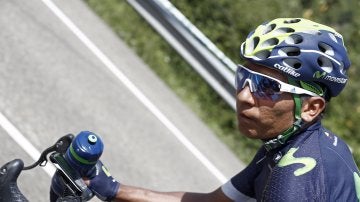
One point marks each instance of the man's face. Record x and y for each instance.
(262, 118)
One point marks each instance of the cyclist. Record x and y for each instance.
(293, 68)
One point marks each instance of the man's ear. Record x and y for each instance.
(312, 108)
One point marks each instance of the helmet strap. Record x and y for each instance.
(297, 125)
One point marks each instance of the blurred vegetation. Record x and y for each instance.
(227, 23)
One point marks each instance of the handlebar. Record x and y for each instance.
(9, 191)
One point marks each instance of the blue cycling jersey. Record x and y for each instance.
(314, 165)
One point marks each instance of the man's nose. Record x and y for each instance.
(245, 95)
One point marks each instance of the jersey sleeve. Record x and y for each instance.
(241, 187)
(231, 192)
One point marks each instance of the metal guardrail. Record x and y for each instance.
(191, 44)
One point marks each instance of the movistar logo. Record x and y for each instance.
(319, 75)
(324, 75)
(289, 159)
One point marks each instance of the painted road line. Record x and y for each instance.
(24, 143)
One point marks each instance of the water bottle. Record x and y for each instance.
(84, 152)
(82, 156)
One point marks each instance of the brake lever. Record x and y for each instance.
(60, 146)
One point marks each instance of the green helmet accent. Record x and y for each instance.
(313, 87)
(268, 39)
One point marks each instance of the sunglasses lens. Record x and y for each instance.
(240, 78)
(261, 86)
(267, 85)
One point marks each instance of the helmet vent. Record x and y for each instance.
(333, 37)
(326, 49)
(256, 41)
(289, 51)
(270, 42)
(285, 30)
(292, 62)
(289, 21)
(269, 28)
(341, 67)
(251, 45)
(325, 64)
(294, 39)
(312, 32)
(263, 54)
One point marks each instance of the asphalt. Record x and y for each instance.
(51, 84)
